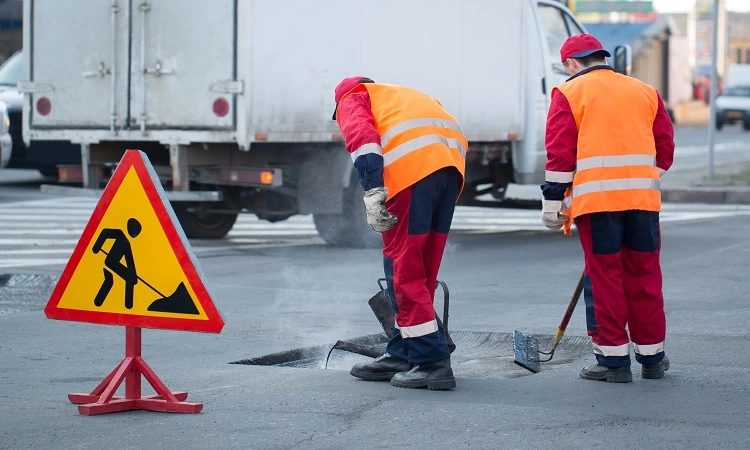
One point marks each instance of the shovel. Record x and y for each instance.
(382, 307)
(526, 348)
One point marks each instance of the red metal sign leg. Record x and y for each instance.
(133, 350)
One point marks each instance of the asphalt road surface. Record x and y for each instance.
(279, 288)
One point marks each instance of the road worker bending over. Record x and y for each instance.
(410, 156)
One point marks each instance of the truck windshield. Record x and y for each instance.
(12, 70)
(737, 91)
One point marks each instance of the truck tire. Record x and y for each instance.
(719, 124)
(350, 228)
(746, 125)
(203, 226)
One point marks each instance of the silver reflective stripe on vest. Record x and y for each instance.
(415, 144)
(366, 149)
(416, 123)
(615, 161)
(622, 184)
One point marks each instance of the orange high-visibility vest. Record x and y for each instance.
(417, 135)
(616, 154)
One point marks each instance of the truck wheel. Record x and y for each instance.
(746, 125)
(350, 228)
(197, 225)
(719, 124)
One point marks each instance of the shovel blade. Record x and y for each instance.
(526, 351)
(382, 307)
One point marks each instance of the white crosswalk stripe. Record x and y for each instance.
(44, 232)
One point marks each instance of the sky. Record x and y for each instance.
(666, 6)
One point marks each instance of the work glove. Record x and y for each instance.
(378, 217)
(552, 216)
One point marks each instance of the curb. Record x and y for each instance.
(732, 196)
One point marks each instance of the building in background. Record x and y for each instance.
(739, 38)
(659, 57)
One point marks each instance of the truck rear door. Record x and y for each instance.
(79, 63)
(183, 64)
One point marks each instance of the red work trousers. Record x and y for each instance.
(412, 253)
(623, 286)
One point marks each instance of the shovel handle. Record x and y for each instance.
(572, 305)
(446, 300)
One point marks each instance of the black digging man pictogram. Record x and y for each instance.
(114, 261)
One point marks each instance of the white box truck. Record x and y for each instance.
(232, 99)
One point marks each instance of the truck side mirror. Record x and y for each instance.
(623, 59)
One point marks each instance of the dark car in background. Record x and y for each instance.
(43, 156)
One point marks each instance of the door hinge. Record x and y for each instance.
(228, 87)
(33, 87)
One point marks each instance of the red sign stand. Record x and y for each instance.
(102, 399)
(134, 191)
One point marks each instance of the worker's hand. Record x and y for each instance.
(378, 216)
(552, 216)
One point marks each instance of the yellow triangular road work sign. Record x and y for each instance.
(133, 265)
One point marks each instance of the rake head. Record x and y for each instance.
(526, 352)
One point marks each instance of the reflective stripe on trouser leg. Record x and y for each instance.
(405, 245)
(602, 240)
(643, 285)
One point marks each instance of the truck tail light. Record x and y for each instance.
(248, 177)
(70, 174)
(43, 106)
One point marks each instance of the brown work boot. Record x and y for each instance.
(436, 375)
(382, 369)
(609, 374)
(655, 371)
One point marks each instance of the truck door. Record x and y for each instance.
(79, 63)
(183, 64)
(556, 28)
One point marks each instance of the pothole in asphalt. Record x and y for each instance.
(24, 292)
(477, 354)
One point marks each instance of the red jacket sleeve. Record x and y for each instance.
(361, 138)
(561, 142)
(663, 137)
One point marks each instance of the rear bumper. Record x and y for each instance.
(172, 196)
(733, 115)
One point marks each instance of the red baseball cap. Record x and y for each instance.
(346, 85)
(581, 45)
